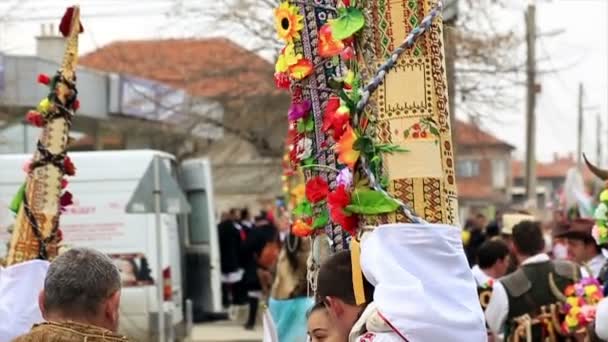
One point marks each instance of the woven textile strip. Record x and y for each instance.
(316, 89)
(411, 107)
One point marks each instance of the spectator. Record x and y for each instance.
(477, 237)
(230, 245)
(493, 261)
(258, 272)
(582, 247)
(80, 299)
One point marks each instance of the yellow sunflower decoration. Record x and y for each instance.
(288, 22)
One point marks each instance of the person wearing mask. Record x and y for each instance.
(529, 288)
(80, 300)
(583, 249)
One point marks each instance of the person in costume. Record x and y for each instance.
(80, 300)
(416, 283)
(289, 299)
(532, 286)
(582, 247)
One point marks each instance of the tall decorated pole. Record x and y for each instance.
(369, 122)
(39, 202)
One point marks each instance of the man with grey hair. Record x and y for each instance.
(80, 299)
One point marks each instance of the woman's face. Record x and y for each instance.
(320, 328)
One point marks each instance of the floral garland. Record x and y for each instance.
(360, 187)
(580, 305)
(600, 230)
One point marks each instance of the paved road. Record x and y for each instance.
(228, 331)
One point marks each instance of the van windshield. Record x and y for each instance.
(198, 220)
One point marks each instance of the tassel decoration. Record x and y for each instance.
(66, 22)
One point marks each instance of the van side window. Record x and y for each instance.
(198, 220)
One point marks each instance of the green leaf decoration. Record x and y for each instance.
(434, 131)
(371, 202)
(301, 127)
(306, 125)
(364, 144)
(17, 199)
(349, 103)
(321, 220)
(350, 21)
(384, 182)
(304, 208)
(308, 161)
(390, 148)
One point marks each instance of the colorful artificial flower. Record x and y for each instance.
(347, 155)
(287, 58)
(335, 118)
(328, 45)
(288, 21)
(64, 183)
(76, 104)
(66, 199)
(337, 200)
(299, 110)
(44, 106)
(316, 189)
(299, 192)
(68, 166)
(348, 53)
(304, 149)
(34, 118)
(281, 80)
(27, 166)
(345, 177)
(302, 69)
(301, 228)
(44, 79)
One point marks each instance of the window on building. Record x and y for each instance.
(467, 168)
(499, 173)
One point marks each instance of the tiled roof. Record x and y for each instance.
(215, 67)
(468, 134)
(558, 168)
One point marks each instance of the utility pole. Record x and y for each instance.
(579, 141)
(530, 105)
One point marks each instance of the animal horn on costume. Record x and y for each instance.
(600, 173)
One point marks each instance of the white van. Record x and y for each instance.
(104, 183)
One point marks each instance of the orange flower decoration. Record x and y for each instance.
(301, 229)
(301, 70)
(328, 45)
(335, 118)
(347, 155)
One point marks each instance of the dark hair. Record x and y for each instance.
(490, 252)
(335, 280)
(245, 214)
(292, 254)
(317, 306)
(528, 238)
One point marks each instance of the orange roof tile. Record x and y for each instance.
(468, 134)
(215, 67)
(558, 168)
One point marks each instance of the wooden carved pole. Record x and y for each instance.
(36, 234)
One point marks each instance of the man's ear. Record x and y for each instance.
(335, 307)
(41, 298)
(111, 306)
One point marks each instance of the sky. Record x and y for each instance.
(580, 52)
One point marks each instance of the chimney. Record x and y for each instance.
(50, 44)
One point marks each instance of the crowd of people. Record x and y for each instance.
(249, 250)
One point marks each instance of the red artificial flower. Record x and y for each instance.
(337, 200)
(66, 199)
(66, 22)
(348, 53)
(335, 119)
(281, 80)
(64, 183)
(44, 79)
(316, 189)
(76, 104)
(68, 166)
(34, 118)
